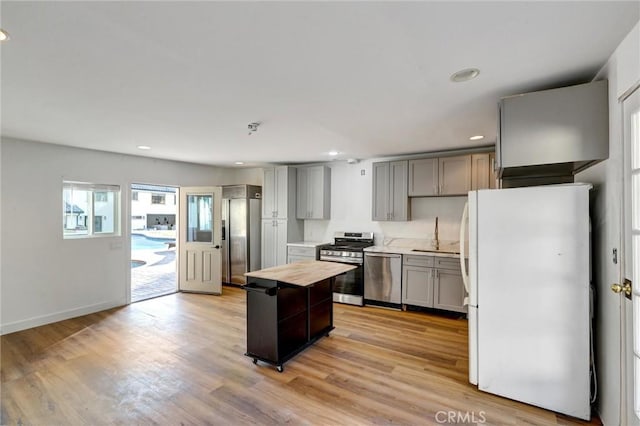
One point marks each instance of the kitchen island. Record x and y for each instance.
(289, 307)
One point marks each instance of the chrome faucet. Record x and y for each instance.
(436, 242)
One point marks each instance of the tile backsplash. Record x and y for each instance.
(421, 226)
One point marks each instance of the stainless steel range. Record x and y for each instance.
(348, 248)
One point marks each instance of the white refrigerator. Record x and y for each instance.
(529, 302)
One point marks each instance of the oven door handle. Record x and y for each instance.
(341, 260)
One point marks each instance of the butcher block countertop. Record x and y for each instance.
(304, 273)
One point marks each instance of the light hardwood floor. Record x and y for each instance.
(178, 359)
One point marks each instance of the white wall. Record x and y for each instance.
(45, 278)
(351, 194)
(623, 71)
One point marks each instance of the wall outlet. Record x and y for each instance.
(362, 172)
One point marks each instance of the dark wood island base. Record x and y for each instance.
(289, 308)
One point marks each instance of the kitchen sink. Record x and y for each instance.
(436, 251)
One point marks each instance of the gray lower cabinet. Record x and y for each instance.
(448, 290)
(417, 286)
(433, 282)
(299, 254)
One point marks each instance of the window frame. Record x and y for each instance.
(90, 215)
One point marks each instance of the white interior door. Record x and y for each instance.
(631, 259)
(200, 239)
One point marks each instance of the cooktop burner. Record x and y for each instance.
(347, 247)
(350, 241)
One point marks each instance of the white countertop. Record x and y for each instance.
(418, 248)
(311, 244)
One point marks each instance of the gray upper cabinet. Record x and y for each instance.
(279, 193)
(423, 177)
(390, 191)
(483, 175)
(553, 131)
(480, 171)
(314, 193)
(268, 193)
(493, 174)
(440, 176)
(454, 175)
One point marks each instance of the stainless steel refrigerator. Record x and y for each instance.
(241, 209)
(529, 295)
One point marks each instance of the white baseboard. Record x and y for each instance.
(57, 316)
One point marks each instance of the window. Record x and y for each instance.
(90, 209)
(157, 198)
(134, 196)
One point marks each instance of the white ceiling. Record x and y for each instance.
(367, 79)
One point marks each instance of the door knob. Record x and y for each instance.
(216, 247)
(624, 288)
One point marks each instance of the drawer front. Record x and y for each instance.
(302, 251)
(447, 263)
(424, 261)
(294, 259)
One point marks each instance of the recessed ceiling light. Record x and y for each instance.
(144, 147)
(465, 75)
(4, 36)
(333, 153)
(476, 138)
(239, 163)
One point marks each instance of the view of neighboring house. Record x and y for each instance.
(81, 203)
(153, 207)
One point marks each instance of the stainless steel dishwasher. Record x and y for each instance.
(383, 279)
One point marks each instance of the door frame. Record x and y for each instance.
(127, 231)
(629, 415)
